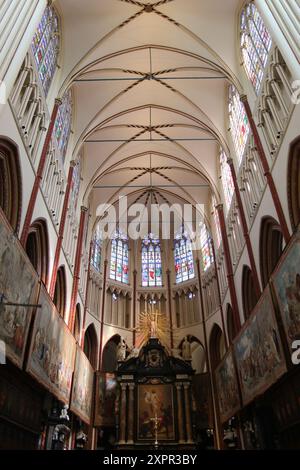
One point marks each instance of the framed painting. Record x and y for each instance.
(286, 285)
(258, 350)
(202, 396)
(227, 387)
(155, 408)
(52, 351)
(106, 395)
(82, 390)
(19, 284)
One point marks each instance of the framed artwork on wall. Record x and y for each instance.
(82, 390)
(52, 351)
(155, 405)
(19, 284)
(286, 285)
(227, 387)
(258, 350)
(106, 395)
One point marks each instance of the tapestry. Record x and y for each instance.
(155, 412)
(227, 387)
(105, 400)
(82, 390)
(52, 351)
(258, 351)
(286, 284)
(19, 284)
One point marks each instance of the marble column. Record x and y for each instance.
(187, 397)
(180, 413)
(131, 414)
(122, 422)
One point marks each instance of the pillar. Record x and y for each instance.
(168, 273)
(130, 414)
(18, 23)
(134, 308)
(245, 228)
(217, 423)
(180, 413)
(266, 168)
(61, 230)
(39, 175)
(123, 413)
(277, 19)
(76, 273)
(229, 269)
(102, 313)
(86, 293)
(187, 398)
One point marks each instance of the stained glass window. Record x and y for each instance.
(151, 262)
(96, 250)
(62, 126)
(184, 261)
(239, 124)
(256, 44)
(119, 258)
(45, 47)
(216, 221)
(206, 247)
(227, 181)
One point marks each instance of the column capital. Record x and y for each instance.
(131, 386)
(186, 385)
(219, 207)
(83, 209)
(243, 98)
(73, 163)
(58, 101)
(124, 385)
(178, 385)
(230, 161)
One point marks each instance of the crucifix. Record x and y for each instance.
(156, 422)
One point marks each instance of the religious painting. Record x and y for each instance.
(227, 388)
(18, 284)
(52, 351)
(107, 389)
(202, 401)
(155, 412)
(82, 390)
(286, 283)
(258, 351)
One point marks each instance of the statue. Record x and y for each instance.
(133, 353)
(186, 350)
(64, 413)
(153, 326)
(121, 350)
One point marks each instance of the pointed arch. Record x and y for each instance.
(60, 291)
(90, 345)
(249, 296)
(217, 347)
(270, 247)
(37, 248)
(10, 183)
(294, 183)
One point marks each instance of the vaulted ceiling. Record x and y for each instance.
(150, 85)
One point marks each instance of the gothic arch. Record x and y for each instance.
(90, 345)
(231, 329)
(249, 296)
(60, 291)
(109, 355)
(216, 346)
(10, 183)
(37, 248)
(270, 247)
(293, 183)
(77, 323)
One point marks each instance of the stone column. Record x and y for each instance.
(189, 432)
(131, 414)
(180, 413)
(122, 421)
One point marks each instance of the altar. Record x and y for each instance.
(154, 406)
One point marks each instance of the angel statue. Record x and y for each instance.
(121, 350)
